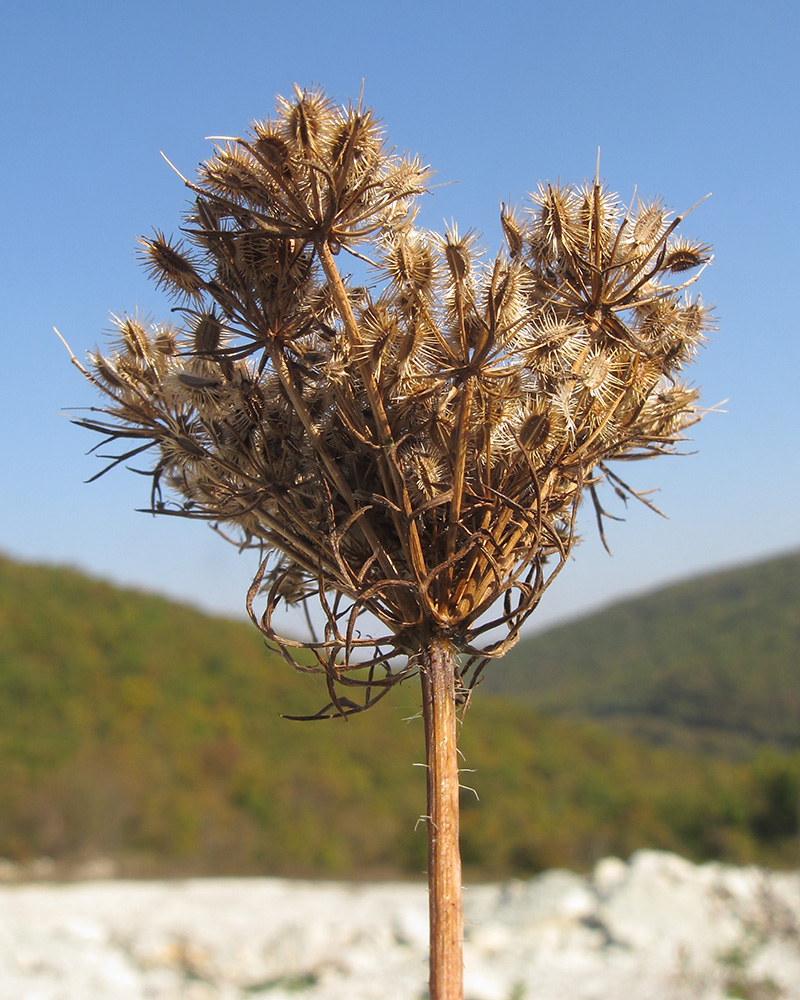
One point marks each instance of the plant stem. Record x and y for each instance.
(444, 858)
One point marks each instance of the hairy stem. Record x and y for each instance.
(444, 858)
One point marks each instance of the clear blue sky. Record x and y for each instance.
(682, 98)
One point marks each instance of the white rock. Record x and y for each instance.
(556, 893)
(609, 874)
(665, 903)
(657, 928)
(410, 927)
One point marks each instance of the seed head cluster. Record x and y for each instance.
(410, 452)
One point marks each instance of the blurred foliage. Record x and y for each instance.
(712, 664)
(147, 732)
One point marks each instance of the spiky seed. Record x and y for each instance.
(271, 148)
(595, 370)
(356, 143)
(534, 431)
(694, 320)
(684, 255)
(456, 252)
(133, 338)
(649, 223)
(595, 217)
(307, 119)
(557, 218)
(513, 232)
(170, 266)
(166, 340)
(208, 217)
(425, 473)
(235, 174)
(107, 372)
(410, 262)
(207, 333)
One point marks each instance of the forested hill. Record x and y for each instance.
(146, 732)
(712, 662)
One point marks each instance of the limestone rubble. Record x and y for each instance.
(655, 928)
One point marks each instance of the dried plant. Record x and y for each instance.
(409, 455)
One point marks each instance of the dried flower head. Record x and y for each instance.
(410, 454)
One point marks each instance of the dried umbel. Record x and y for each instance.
(413, 451)
(409, 454)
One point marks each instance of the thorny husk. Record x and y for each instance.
(410, 454)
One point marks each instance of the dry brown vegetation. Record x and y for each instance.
(409, 454)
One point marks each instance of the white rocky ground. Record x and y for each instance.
(657, 927)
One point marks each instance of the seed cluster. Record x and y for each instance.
(410, 452)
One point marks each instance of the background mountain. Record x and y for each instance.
(711, 664)
(140, 730)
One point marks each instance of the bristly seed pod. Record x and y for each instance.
(170, 266)
(557, 222)
(425, 473)
(271, 148)
(357, 142)
(513, 232)
(307, 120)
(534, 431)
(457, 254)
(597, 214)
(207, 333)
(234, 173)
(649, 223)
(133, 338)
(595, 370)
(694, 320)
(166, 340)
(684, 255)
(410, 262)
(107, 372)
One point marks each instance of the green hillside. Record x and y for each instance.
(144, 731)
(713, 663)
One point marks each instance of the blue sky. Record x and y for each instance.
(682, 99)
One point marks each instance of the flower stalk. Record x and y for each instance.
(438, 675)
